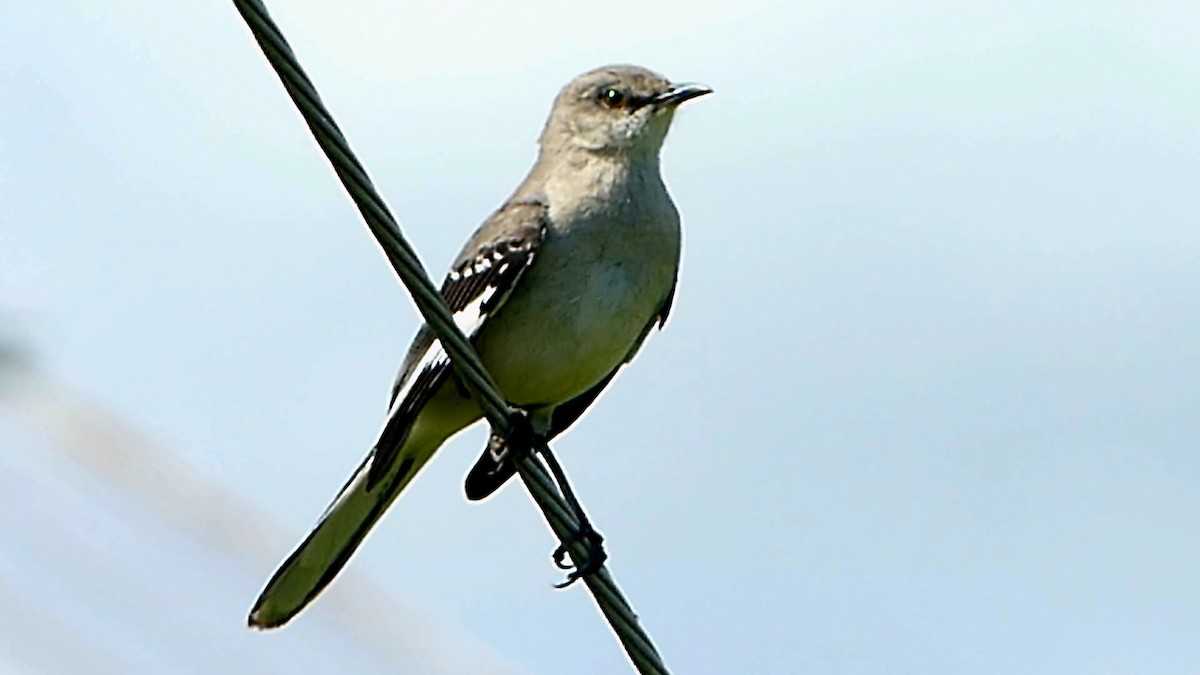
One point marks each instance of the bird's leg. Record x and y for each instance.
(520, 437)
(523, 439)
(594, 555)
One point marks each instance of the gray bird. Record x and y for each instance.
(557, 290)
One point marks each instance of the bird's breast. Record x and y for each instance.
(579, 309)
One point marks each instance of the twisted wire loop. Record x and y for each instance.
(466, 362)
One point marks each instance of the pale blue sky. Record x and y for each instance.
(928, 399)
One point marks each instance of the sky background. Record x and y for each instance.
(927, 402)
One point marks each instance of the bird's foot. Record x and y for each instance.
(521, 438)
(592, 559)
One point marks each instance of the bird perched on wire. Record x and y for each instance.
(557, 290)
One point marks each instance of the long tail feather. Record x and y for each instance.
(327, 549)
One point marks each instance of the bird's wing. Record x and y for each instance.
(479, 281)
(494, 468)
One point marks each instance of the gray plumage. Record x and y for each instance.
(557, 290)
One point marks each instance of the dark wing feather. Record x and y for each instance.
(479, 282)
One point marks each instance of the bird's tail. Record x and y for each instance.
(338, 534)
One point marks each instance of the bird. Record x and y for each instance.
(557, 290)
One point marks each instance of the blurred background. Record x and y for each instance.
(927, 402)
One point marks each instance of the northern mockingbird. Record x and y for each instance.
(557, 290)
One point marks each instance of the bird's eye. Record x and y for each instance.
(612, 98)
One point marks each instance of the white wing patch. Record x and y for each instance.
(469, 320)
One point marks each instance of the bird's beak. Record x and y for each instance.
(679, 93)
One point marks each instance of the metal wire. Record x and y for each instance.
(466, 362)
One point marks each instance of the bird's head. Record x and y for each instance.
(615, 109)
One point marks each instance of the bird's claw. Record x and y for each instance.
(592, 561)
(520, 438)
